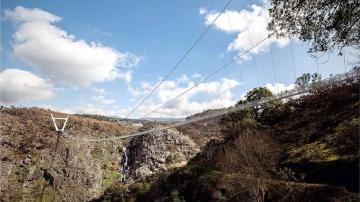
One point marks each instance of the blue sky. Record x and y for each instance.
(114, 52)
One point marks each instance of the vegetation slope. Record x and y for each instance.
(306, 149)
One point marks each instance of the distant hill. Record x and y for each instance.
(145, 120)
(165, 120)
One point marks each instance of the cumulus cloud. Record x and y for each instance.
(19, 85)
(89, 108)
(61, 57)
(202, 11)
(279, 87)
(250, 27)
(84, 109)
(207, 95)
(102, 100)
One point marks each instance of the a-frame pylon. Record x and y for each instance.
(56, 127)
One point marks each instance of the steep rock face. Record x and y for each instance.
(39, 164)
(158, 151)
(203, 131)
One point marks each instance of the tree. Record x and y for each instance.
(257, 94)
(326, 23)
(303, 79)
(315, 78)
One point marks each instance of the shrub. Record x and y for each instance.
(251, 154)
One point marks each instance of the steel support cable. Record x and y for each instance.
(228, 91)
(229, 21)
(231, 28)
(293, 58)
(179, 61)
(344, 60)
(227, 72)
(251, 43)
(283, 95)
(317, 63)
(208, 77)
(273, 65)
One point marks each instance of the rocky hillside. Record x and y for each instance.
(202, 132)
(40, 164)
(306, 149)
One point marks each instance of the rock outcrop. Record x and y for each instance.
(202, 132)
(158, 151)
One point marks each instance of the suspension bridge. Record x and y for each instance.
(297, 91)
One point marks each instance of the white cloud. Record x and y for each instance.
(60, 56)
(196, 75)
(99, 91)
(207, 95)
(102, 100)
(126, 76)
(83, 109)
(88, 108)
(243, 22)
(216, 94)
(202, 11)
(19, 85)
(91, 109)
(279, 87)
(135, 91)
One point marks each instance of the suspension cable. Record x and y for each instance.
(273, 65)
(283, 95)
(179, 61)
(293, 58)
(231, 28)
(317, 63)
(208, 77)
(344, 60)
(251, 43)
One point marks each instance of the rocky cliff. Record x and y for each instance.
(156, 152)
